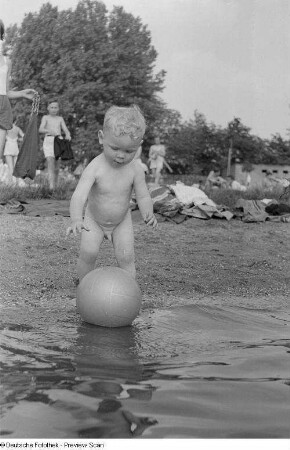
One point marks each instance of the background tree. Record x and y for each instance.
(88, 60)
(277, 150)
(196, 145)
(245, 146)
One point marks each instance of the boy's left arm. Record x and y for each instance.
(65, 129)
(143, 198)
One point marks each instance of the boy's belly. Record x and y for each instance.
(108, 214)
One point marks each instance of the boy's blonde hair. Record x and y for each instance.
(125, 120)
(52, 100)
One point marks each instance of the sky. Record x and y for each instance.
(224, 58)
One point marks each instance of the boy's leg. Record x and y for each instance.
(157, 176)
(9, 162)
(16, 180)
(90, 245)
(123, 241)
(51, 171)
(56, 170)
(158, 172)
(14, 161)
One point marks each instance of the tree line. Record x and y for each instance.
(89, 59)
(202, 145)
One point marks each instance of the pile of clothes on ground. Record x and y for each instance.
(179, 202)
(262, 210)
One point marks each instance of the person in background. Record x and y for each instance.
(214, 179)
(52, 125)
(248, 180)
(235, 185)
(157, 154)
(271, 181)
(6, 117)
(199, 185)
(11, 149)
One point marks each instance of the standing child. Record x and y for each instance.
(106, 185)
(11, 149)
(52, 125)
(156, 159)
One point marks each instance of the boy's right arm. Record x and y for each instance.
(42, 127)
(79, 199)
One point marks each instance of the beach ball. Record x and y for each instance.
(108, 297)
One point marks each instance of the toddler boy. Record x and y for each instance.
(106, 185)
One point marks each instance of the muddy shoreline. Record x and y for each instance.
(198, 261)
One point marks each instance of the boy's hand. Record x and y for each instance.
(68, 137)
(76, 228)
(151, 220)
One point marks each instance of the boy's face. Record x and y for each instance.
(53, 109)
(118, 150)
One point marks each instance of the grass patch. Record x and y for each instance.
(40, 190)
(37, 191)
(229, 197)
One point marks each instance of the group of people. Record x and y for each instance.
(105, 186)
(10, 134)
(52, 125)
(214, 180)
(271, 181)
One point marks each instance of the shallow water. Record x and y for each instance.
(186, 372)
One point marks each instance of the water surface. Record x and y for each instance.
(186, 372)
